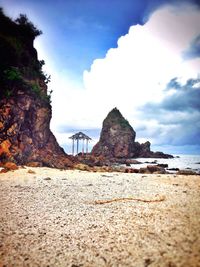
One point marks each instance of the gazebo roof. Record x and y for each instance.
(79, 136)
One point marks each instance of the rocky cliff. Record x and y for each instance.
(117, 140)
(117, 137)
(25, 108)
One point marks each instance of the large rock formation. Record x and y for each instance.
(25, 109)
(117, 140)
(117, 137)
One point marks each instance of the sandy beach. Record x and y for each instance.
(51, 217)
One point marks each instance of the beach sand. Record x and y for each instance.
(50, 217)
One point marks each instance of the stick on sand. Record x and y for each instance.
(99, 202)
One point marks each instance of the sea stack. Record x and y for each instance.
(117, 137)
(117, 140)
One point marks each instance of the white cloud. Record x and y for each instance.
(131, 75)
(146, 59)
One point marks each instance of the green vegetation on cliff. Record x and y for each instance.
(19, 66)
(115, 117)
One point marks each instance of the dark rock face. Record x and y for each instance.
(117, 140)
(117, 137)
(25, 109)
(25, 135)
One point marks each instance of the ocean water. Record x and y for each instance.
(183, 162)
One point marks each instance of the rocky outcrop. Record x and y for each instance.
(25, 135)
(25, 109)
(117, 137)
(117, 140)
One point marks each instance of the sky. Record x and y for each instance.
(141, 56)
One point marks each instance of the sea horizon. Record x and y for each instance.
(180, 161)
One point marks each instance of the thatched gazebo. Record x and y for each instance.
(80, 136)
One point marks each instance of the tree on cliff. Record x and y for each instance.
(18, 57)
(27, 26)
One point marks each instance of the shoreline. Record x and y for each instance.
(52, 217)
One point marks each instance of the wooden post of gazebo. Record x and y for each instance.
(73, 147)
(77, 140)
(80, 136)
(83, 146)
(86, 145)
